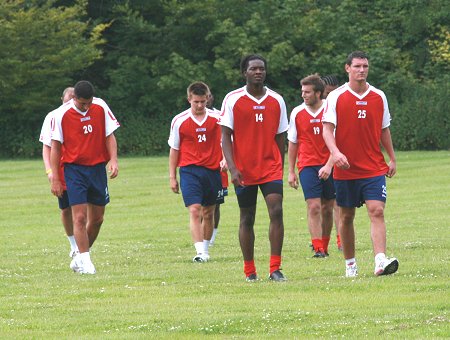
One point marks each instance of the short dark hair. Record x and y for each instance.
(315, 81)
(246, 60)
(358, 55)
(84, 89)
(198, 88)
(330, 80)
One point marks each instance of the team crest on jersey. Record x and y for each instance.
(315, 120)
(85, 118)
(259, 107)
(200, 129)
(361, 103)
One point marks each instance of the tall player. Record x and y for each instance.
(63, 201)
(307, 147)
(83, 134)
(195, 148)
(356, 121)
(253, 123)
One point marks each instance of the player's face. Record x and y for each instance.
(310, 97)
(328, 89)
(198, 103)
(358, 70)
(256, 72)
(82, 104)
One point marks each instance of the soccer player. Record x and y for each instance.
(195, 148)
(356, 121)
(63, 201)
(307, 147)
(83, 140)
(332, 83)
(223, 176)
(254, 122)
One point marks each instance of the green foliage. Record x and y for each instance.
(141, 55)
(146, 286)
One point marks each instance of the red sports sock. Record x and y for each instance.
(249, 267)
(317, 244)
(325, 242)
(275, 263)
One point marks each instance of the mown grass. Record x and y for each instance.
(147, 287)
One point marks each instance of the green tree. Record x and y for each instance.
(42, 48)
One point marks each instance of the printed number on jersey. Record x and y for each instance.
(87, 129)
(362, 114)
(259, 117)
(201, 138)
(316, 130)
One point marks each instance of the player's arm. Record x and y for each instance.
(173, 161)
(292, 157)
(227, 148)
(386, 141)
(55, 158)
(325, 171)
(111, 146)
(46, 158)
(338, 157)
(279, 139)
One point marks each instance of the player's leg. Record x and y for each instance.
(66, 219)
(346, 218)
(247, 197)
(327, 221)
(94, 222)
(273, 195)
(336, 225)
(207, 228)
(375, 198)
(216, 223)
(313, 206)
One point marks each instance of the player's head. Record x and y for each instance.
(254, 68)
(198, 94)
(312, 89)
(84, 93)
(331, 83)
(357, 66)
(210, 102)
(67, 94)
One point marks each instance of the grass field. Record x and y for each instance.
(147, 287)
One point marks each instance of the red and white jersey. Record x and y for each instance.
(83, 134)
(255, 123)
(198, 142)
(305, 129)
(359, 120)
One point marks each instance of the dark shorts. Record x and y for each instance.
(247, 195)
(313, 186)
(86, 184)
(221, 198)
(63, 201)
(200, 185)
(353, 193)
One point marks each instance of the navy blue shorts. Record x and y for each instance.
(86, 184)
(247, 195)
(353, 193)
(200, 185)
(221, 198)
(63, 201)
(313, 186)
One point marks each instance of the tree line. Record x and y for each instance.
(142, 54)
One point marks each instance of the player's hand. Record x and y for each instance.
(324, 172)
(174, 185)
(236, 178)
(223, 165)
(57, 188)
(392, 169)
(340, 160)
(113, 169)
(293, 180)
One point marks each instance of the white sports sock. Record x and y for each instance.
(198, 247)
(213, 237)
(85, 257)
(73, 243)
(350, 261)
(206, 246)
